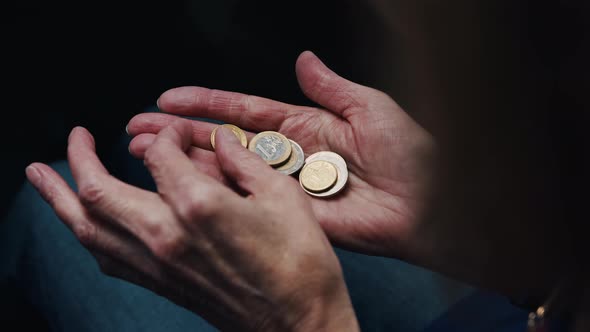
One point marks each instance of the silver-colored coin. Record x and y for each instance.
(341, 167)
(330, 156)
(271, 146)
(295, 162)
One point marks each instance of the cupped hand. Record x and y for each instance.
(388, 154)
(258, 262)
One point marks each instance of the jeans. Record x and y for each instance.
(62, 280)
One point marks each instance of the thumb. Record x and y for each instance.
(325, 87)
(243, 166)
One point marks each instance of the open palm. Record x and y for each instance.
(387, 153)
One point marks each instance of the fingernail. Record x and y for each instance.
(33, 175)
(127, 129)
(158, 103)
(227, 134)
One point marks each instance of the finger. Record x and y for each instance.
(243, 166)
(192, 194)
(203, 160)
(327, 88)
(58, 194)
(154, 122)
(206, 162)
(140, 143)
(245, 111)
(138, 211)
(90, 232)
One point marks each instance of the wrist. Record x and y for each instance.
(322, 316)
(328, 309)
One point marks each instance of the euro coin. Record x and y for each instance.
(341, 168)
(295, 162)
(236, 130)
(271, 146)
(318, 176)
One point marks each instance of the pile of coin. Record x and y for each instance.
(324, 174)
(321, 174)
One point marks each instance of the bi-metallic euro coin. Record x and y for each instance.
(271, 146)
(341, 168)
(295, 162)
(318, 176)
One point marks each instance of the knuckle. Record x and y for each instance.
(86, 234)
(169, 247)
(151, 155)
(156, 152)
(187, 209)
(204, 205)
(155, 228)
(51, 195)
(91, 193)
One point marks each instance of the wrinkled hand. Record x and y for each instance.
(388, 154)
(256, 263)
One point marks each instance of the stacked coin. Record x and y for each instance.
(322, 174)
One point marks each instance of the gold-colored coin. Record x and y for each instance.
(236, 130)
(318, 176)
(341, 167)
(271, 146)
